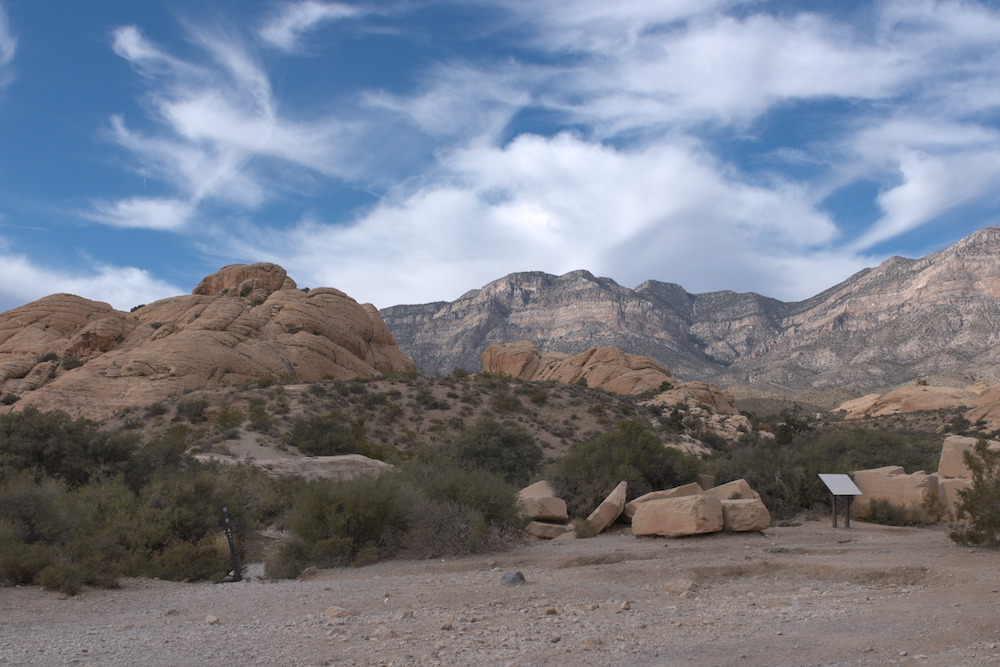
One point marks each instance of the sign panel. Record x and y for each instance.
(840, 485)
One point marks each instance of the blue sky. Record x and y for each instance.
(408, 151)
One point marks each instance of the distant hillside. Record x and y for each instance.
(936, 317)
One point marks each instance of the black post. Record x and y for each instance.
(235, 576)
(834, 510)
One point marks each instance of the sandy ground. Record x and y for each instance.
(803, 595)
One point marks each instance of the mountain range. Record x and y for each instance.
(937, 318)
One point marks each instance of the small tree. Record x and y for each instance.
(979, 505)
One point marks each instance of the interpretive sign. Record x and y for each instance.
(841, 485)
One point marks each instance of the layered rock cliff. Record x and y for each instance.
(935, 317)
(240, 324)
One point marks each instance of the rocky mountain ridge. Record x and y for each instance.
(936, 317)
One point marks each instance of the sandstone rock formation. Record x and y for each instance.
(539, 503)
(745, 515)
(244, 323)
(678, 517)
(691, 489)
(609, 510)
(884, 326)
(892, 484)
(735, 490)
(605, 368)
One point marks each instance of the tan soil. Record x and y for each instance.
(803, 595)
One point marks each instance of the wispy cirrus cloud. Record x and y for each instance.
(215, 131)
(591, 142)
(8, 47)
(286, 28)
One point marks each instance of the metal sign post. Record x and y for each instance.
(235, 575)
(841, 485)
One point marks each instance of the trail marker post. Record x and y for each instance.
(235, 576)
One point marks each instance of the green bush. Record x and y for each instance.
(329, 435)
(978, 506)
(500, 448)
(69, 363)
(888, 514)
(63, 577)
(631, 452)
(55, 444)
(192, 410)
(336, 520)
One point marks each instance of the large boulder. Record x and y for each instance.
(609, 510)
(948, 488)
(952, 462)
(738, 489)
(546, 531)
(243, 323)
(685, 490)
(744, 515)
(679, 517)
(892, 484)
(539, 503)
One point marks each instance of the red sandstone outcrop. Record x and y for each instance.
(243, 323)
(980, 402)
(606, 368)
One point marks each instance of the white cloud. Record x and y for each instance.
(23, 280)
(561, 204)
(144, 213)
(930, 187)
(8, 47)
(285, 29)
(657, 79)
(217, 131)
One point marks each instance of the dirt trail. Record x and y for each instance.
(804, 595)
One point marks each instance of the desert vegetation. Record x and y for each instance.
(85, 504)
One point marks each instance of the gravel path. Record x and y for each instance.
(804, 595)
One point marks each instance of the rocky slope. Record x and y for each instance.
(935, 317)
(242, 323)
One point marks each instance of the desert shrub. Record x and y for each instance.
(228, 418)
(504, 401)
(331, 434)
(500, 448)
(426, 399)
(978, 506)
(69, 363)
(156, 409)
(259, 419)
(54, 444)
(889, 514)
(62, 576)
(336, 520)
(482, 491)
(48, 356)
(631, 452)
(192, 410)
(190, 561)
